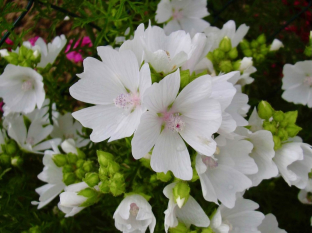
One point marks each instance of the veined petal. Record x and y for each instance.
(164, 11)
(170, 153)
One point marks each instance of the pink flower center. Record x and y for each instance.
(308, 81)
(134, 209)
(127, 101)
(173, 121)
(177, 14)
(27, 85)
(30, 140)
(210, 162)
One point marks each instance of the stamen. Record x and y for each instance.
(174, 122)
(27, 85)
(134, 209)
(127, 101)
(177, 14)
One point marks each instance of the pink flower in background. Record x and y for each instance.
(33, 40)
(9, 42)
(74, 55)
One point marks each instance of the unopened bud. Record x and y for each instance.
(5, 160)
(265, 110)
(68, 168)
(103, 173)
(153, 178)
(269, 127)
(293, 129)
(218, 54)
(180, 228)
(80, 173)
(233, 53)
(282, 134)
(104, 157)
(164, 177)
(92, 196)
(17, 161)
(236, 65)
(225, 44)
(181, 193)
(71, 158)
(291, 117)
(69, 178)
(278, 116)
(226, 66)
(88, 166)
(261, 39)
(113, 167)
(254, 44)
(244, 44)
(91, 179)
(80, 154)
(59, 160)
(80, 163)
(116, 188)
(277, 142)
(247, 52)
(11, 147)
(210, 56)
(104, 186)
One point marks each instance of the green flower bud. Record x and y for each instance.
(5, 160)
(254, 44)
(91, 179)
(59, 160)
(164, 177)
(282, 134)
(80, 173)
(244, 44)
(113, 167)
(236, 64)
(118, 178)
(210, 56)
(293, 129)
(36, 56)
(68, 168)
(277, 142)
(181, 193)
(72, 158)
(88, 166)
(265, 110)
(207, 230)
(226, 66)
(225, 44)
(11, 147)
(146, 162)
(269, 127)
(35, 229)
(69, 178)
(181, 228)
(218, 54)
(259, 57)
(103, 173)
(153, 178)
(92, 196)
(261, 39)
(17, 161)
(233, 53)
(247, 53)
(12, 58)
(104, 157)
(80, 154)
(291, 117)
(264, 50)
(116, 188)
(278, 116)
(79, 163)
(104, 186)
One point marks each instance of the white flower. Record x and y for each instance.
(192, 115)
(305, 195)
(190, 213)
(116, 87)
(164, 53)
(276, 45)
(21, 88)
(183, 14)
(262, 154)
(67, 127)
(53, 176)
(4, 52)
(134, 214)
(297, 83)
(294, 162)
(242, 218)
(229, 29)
(220, 176)
(270, 225)
(31, 139)
(70, 201)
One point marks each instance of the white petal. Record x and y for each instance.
(163, 12)
(270, 225)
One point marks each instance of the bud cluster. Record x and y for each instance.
(281, 125)
(75, 166)
(25, 57)
(9, 156)
(112, 180)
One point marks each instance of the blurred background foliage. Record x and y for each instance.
(288, 20)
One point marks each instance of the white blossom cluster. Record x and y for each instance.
(141, 90)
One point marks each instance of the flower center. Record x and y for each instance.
(177, 14)
(209, 162)
(173, 121)
(127, 101)
(27, 85)
(134, 209)
(308, 81)
(30, 140)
